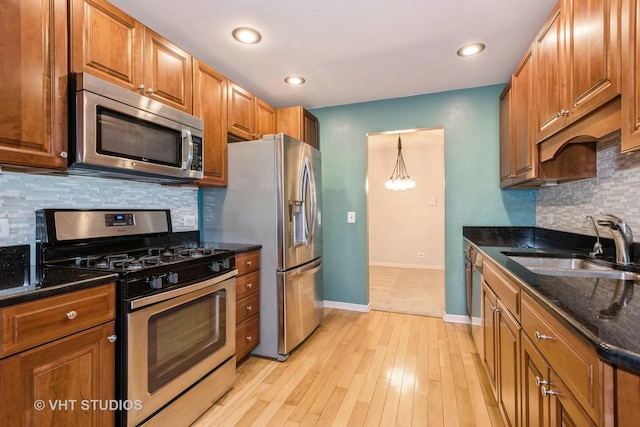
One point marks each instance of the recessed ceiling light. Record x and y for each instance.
(471, 49)
(246, 35)
(294, 80)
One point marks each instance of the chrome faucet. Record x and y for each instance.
(622, 236)
(597, 246)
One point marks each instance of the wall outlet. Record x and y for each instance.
(189, 221)
(4, 227)
(351, 217)
(420, 254)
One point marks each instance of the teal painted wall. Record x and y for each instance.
(472, 192)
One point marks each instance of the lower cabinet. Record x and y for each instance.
(247, 303)
(67, 376)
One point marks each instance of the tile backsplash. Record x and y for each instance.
(615, 190)
(21, 194)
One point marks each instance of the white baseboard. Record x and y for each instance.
(455, 318)
(364, 308)
(422, 267)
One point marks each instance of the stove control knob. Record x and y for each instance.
(215, 266)
(226, 263)
(155, 282)
(172, 278)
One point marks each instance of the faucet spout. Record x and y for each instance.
(597, 246)
(622, 237)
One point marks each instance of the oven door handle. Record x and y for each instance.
(156, 298)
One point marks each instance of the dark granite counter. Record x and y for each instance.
(237, 248)
(582, 304)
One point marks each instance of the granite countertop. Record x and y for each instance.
(582, 304)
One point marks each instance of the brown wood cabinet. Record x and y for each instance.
(630, 132)
(299, 123)
(62, 359)
(518, 150)
(265, 119)
(247, 303)
(249, 117)
(502, 341)
(577, 63)
(110, 44)
(210, 104)
(33, 111)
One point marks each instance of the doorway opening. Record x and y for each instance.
(405, 228)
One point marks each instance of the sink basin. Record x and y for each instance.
(577, 267)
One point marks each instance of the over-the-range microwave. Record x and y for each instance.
(123, 134)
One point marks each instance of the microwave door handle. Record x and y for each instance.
(187, 149)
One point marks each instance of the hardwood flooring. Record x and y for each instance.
(365, 369)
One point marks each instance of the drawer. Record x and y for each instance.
(33, 323)
(247, 306)
(247, 284)
(506, 291)
(247, 336)
(247, 262)
(575, 362)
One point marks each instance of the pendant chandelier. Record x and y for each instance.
(399, 179)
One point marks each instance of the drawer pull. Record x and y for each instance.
(548, 392)
(540, 336)
(112, 338)
(495, 309)
(540, 381)
(72, 315)
(249, 262)
(249, 285)
(249, 308)
(249, 338)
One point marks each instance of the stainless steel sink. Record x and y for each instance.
(577, 267)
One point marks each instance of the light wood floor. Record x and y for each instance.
(365, 369)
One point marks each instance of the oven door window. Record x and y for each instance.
(181, 337)
(120, 135)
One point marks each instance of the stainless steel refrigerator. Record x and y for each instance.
(274, 198)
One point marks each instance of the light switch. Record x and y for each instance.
(351, 217)
(4, 227)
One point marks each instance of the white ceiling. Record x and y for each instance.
(349, 50)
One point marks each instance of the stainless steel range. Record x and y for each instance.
(176, 307)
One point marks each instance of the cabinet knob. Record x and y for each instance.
(249, 262)
(512, 176)
(140, 87)
(72, 315)
(249, 308)
(540, 381)
(495, 309)
(249, 285)
(540, 336)
(548, 392)
(150, 90)
(249, 338)
(64, 154)
(112, 338)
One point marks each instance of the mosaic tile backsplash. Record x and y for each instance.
(615, 190)
(21, 194)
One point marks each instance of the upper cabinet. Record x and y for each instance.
(577, 63)
(298, 123)
(249, 117)
(33, 111)
(265, 118)
(210, 104)
(518, 151)
(630, 132)
(112, 45)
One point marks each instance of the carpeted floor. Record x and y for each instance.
(407, 290)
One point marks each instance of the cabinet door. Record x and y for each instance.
(630, 132)
(62, 376)
(592, 54)
(489, 307)
(525, 156)
(535, 373)
(564, 409)
(265, 119)
(33, 111)
(508, 345)
(167, 72)
(106, 42)
(310, 129)
(240, 112)
(210, 104)
(549, 72)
